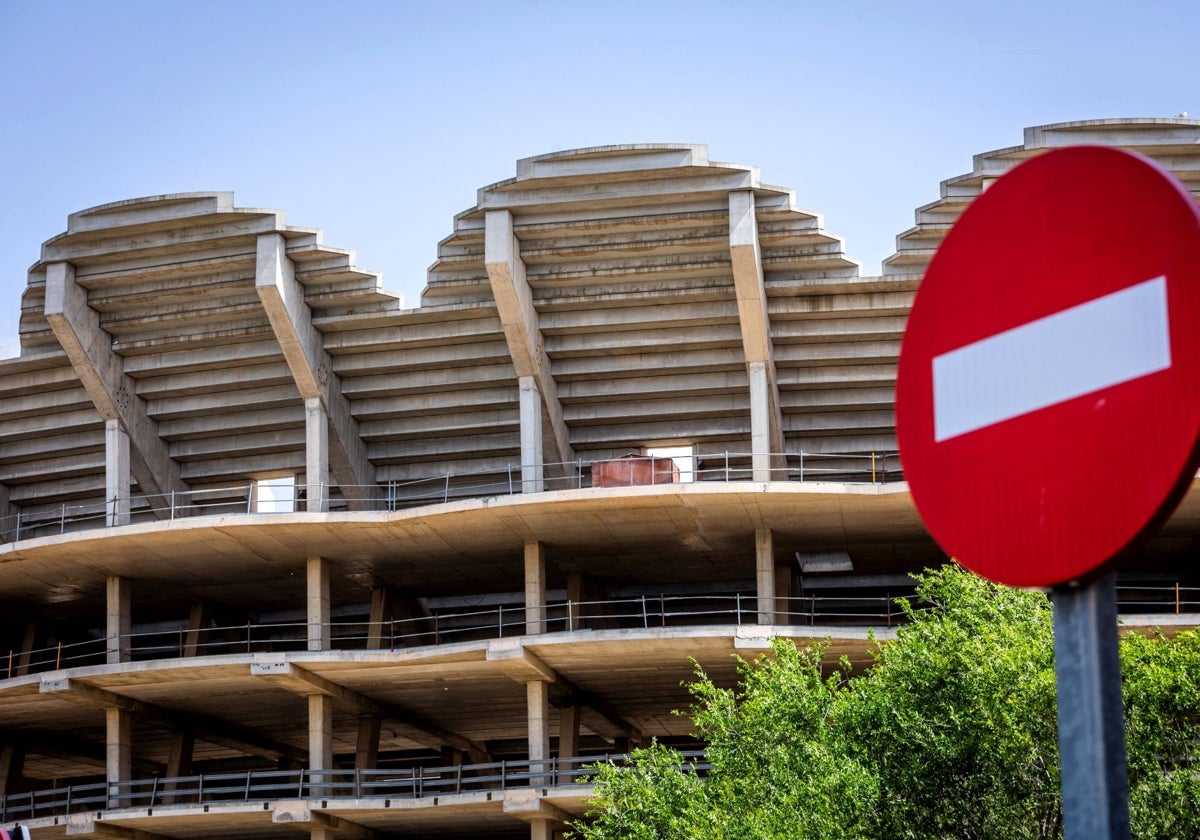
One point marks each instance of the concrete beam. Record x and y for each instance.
(282, 297)
(305, 683)
(87, 825)
(208, 729)
(112, 391)
(526, 344)
(523, 666)
(766, 419)
(529, 806)
(518, 662)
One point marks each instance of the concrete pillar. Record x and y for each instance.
(198, 618)
(8, 517)
(318, 603)
(12, 766)
(320, 732)
(322, 834)
(366, 753)
(764, 566)
(116, 474)
(118, 747)
(535, 588)
(381, 613)
(533, 472)
(316, 456)
(541, 830)
(179, 756)
(25, 656)
(783, 591)
(760, 421)
(568, 731)
(118, 623)
(537, 699)
(575, 601)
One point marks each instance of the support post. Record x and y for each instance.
(1091, 732)
(316, 456)
(541, 830)
(764, 562)
(366, 752)
(198, 620)
(568, 731)
(118, 749)
(533, 470)
(320, 732)
(118, 624)
(116, 474)
(760, 421)
(537, 698)
(12, 767)
(318, 603)
(535, 588)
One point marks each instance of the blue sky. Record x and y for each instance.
(377, 121)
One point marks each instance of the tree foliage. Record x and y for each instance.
(951, 734)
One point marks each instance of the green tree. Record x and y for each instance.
(957, 716)
(950, 734)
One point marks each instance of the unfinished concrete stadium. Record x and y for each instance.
(282, 559)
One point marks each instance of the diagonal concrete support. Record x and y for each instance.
(766, 418)
(545, 438)
(305, 683)
(282, 297)
(207, 729)
(77, 328)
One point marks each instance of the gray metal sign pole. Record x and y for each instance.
(1091, 728)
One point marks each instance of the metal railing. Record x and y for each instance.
(250, 498)
(271, 785)
(644, 612)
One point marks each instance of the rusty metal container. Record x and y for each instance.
(632, 470)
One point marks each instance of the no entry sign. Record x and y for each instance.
(1048, 393)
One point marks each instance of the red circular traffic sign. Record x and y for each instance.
(1048, 391)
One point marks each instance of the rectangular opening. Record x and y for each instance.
(276, 494)
(683, 456)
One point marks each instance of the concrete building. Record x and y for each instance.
(282, 559)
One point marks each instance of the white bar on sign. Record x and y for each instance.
(1104, 342)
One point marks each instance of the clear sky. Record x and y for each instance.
(377, 121)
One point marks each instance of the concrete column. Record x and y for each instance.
(12, 766)
(118, 748)
(575, 597)
(318, 603)
(533, 472)
(25, 657)
(116, 474)
(179, 757)
(322, 834)
(198, 619)
(118, 623)
(320, 732)
(366, 753)
(381, 597)
(760, 420)
(783, 591)
(541, 830)
(535, 588)
(764, 565)
(8, 517)
(316, 456)
(537, 699)
(568, 731)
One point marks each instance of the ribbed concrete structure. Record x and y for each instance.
(443, 618)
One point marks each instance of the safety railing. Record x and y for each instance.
(503, 620)
(271, 785)
(268, 497)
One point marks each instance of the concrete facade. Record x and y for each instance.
(268, 534)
